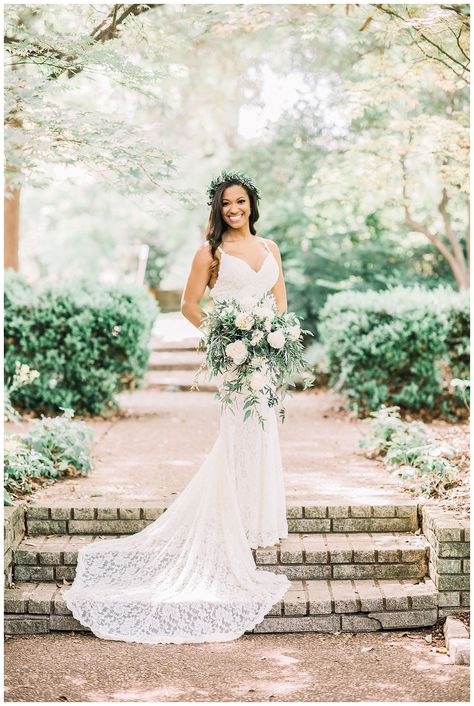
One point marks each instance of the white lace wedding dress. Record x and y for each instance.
(190, 575)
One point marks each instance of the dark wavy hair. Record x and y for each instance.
(216, 224)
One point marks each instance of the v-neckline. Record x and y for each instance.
(236, 257)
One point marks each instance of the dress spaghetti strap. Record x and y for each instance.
(265, 244)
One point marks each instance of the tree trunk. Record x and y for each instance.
(12, 228)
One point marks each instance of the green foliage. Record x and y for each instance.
(48, 123)
(51, 449)
(23, 375)
(87, 341)
(156, 265)
(355, 137)
(397, 347)
(61, 442)
(425, 463)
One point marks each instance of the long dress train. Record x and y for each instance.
(190, 575)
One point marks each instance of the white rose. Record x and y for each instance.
(276, 338)
(257, 380)
(244, 321)
(267, 325)
(294, 332)
(257, 337)
(237, 351)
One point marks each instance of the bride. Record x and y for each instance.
(190, 575)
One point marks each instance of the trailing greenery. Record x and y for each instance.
(87, 341)
(399, 347)
(424, 463)
(52, 448)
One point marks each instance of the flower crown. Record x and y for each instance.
(224, 176)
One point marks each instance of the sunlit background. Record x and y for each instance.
(334, 110)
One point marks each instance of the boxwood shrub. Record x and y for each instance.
(398, 347)
(87, 340)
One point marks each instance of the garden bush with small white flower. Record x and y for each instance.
(424, 463)
(255, 349)
(399, 347)
(52, 448)
(88, 342)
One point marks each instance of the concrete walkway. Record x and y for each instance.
(354, 667)
(147, 457)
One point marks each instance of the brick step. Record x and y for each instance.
(176, 380)
(308, 606)
(177, 360)
(305, 519)
(161, 344)
(300, 557)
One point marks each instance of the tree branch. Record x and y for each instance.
(442, 61)
(451, 235)
(111, 31)
(98, 34)
(458, 36)
(391, 12)
(458, 269)
(457, 10)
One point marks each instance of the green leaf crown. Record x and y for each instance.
(224, 176)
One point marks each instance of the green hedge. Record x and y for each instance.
(398, 347)
(87, 340)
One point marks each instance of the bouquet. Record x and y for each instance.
(255, 349)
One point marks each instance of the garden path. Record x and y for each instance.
(140, 457)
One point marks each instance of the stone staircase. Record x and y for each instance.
(174, 357)
(352, 568)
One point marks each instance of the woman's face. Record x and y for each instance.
(235, 206)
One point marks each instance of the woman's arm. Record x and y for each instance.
(279, 288)
(196, 285)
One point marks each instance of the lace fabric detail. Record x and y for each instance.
(190, 575)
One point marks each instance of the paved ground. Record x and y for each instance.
(388, 666)
(146, 458)
(149, 457)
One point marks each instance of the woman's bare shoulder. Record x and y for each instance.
(203, 255)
